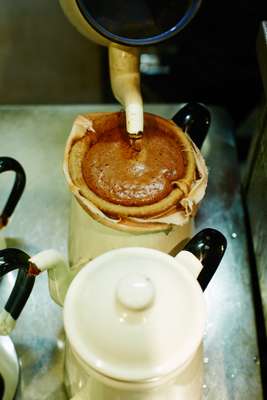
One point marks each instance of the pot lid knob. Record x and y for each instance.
(135, 292)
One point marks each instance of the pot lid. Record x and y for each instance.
(134, 314)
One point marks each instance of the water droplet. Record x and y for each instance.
(232, 376)
(234, 235)
(256, 360)
(60, 344)
(206, 360)
(204, 386)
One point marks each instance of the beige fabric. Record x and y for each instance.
(176, 210)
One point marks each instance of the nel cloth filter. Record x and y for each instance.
(191, 190)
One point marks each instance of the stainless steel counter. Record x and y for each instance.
(35, 136)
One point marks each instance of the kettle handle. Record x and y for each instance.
(11, 259)
(194, 119)
(208, 246)
(9, 164)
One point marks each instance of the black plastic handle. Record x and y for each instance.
(208, 246)
(11, 259)
(194, 119)
(9, 164)
(2, 387)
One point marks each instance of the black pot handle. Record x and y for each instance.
(11, 259)
(194, 119)
(2, 387)
(9, 164)
(208, 246)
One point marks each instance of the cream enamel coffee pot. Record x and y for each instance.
(92, 233)
(134, 318)
(9, 365)
(124, 26)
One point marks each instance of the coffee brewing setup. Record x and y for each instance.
(161, 358)
(132, 290)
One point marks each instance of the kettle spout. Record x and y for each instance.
(59, 274)
(125, 83)
(30, 267)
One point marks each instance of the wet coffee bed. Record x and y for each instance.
(36, 136)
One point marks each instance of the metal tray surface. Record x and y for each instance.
(36, 136)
